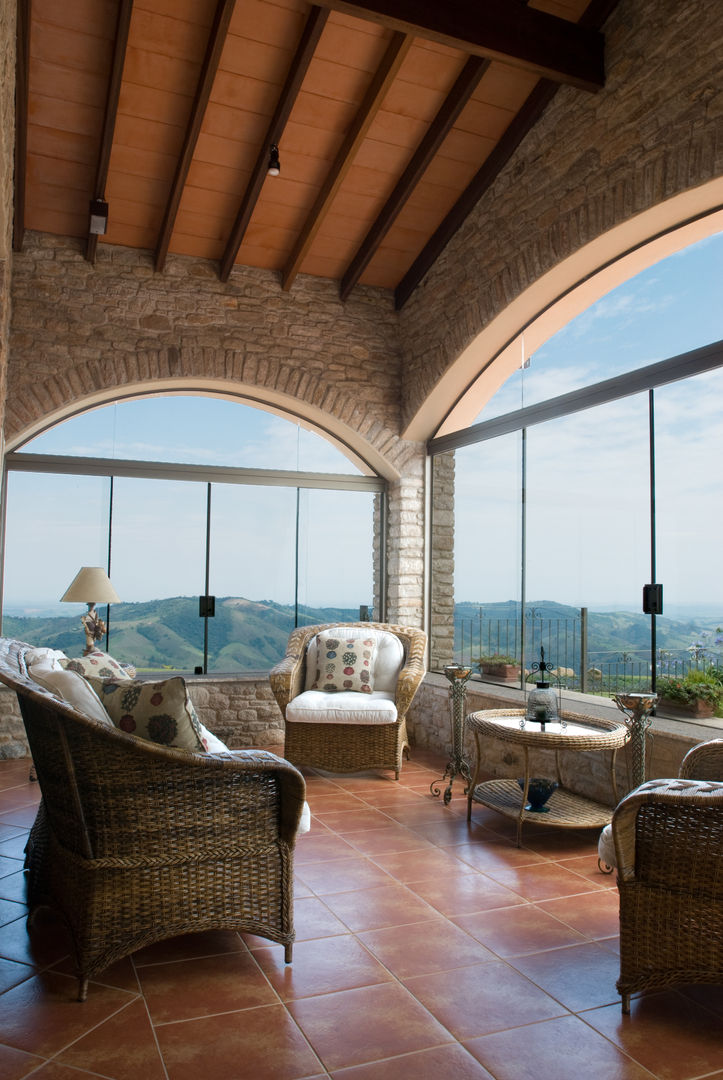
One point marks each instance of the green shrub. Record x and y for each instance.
(695, 686)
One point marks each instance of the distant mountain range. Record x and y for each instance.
(247, 635)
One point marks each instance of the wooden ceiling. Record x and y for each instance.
(391, 117)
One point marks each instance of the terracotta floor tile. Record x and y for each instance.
(12, 973)
(189, 946)
(121, 975)
(211, 984)
(452, 830)
(265, 1042)
(409, 866)
(321, 848)
(385, 905)
(368, 1024)
(385, 841)
(11, 910)
(385, 797)
(579, 977)
(462, 894)
(441, 1063)
(596, 915)
(15, 1064)
(14, 887)
(543, 881)
(15, 847)
(328, 802)
(23, 816)
(371, 781)
(496, 853)
(350, 821)
(37, 1015)
(55, 1071)
(312, 919)
(705, 994)
(413, 814)
(483, 998)
(342, 875)
(131, 1030)
(422, 948)
(587, 867)
(666, 1033)
(47, 943)
(10, 832)
(576, 1051)
(558, 844)
(321, 967)
(8, 867)
(518, 930)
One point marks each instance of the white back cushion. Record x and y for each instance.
(73, 688)
(387, 662)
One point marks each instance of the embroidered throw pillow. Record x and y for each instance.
(345, 663)
(161, 712)
(99, 665)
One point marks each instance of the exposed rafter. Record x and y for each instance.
(386, 73)
(438, 130)
(505, 30)
(216, 39)
(593, 17)
(125, 8)
(21, 119)
(299, 66)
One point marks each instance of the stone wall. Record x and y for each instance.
(7, 140)
(594, 161)
(441, 643)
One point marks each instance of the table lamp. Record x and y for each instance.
(91, 586)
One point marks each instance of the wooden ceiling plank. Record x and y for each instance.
(594, 16)
(216, 40)
(386, 73)
(299, 66)
(125, 8)
(457, 98)
(551, 47)
(22, 64)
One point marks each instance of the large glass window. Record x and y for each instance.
(194, 498)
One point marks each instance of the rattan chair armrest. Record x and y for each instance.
(704, 761)
(287, 677)
(291, 781)
(671, 793)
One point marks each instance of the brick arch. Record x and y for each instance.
(337, 415)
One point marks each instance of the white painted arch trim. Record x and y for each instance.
(558, 297)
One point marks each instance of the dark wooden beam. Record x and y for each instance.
(465, 84)
(524, 120)
(594, 16)
(378, 88)
(22, 64)
(506, 30)
(216, 40)
(299, 66)
(125, 9)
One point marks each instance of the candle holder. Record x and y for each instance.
(637, 713)
(457, 764)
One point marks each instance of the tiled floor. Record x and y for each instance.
(426, 948)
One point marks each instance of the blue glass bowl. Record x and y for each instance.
(538, 792)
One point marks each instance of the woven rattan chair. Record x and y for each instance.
(135, 842)
(669, 850)
(349, 747)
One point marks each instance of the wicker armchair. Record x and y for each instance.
(669, 849)
(135, 842)
(349, 747)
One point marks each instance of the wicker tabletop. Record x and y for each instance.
(573, 732)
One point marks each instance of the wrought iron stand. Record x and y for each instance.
(637, 712)
(457, 764)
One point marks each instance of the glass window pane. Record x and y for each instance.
(158, 569)
(55, 525)
(689, 497)
(193, 430)
(588, 543)
(336, 554)
(487, 549)
(252, 571)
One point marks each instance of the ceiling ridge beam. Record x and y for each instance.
(506, 30)
(295, 77)
(22, 65)
(216, 41)
(378, 88)
(125, 9)
(595, 14)
(464, 86)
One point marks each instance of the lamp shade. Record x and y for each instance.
(91, 585)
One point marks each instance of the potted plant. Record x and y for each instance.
(696, 694)
(499, 665)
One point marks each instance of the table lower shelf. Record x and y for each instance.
(564, 808)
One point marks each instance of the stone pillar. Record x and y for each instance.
(405, 546)
(441, 638)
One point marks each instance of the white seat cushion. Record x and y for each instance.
(606, 847)
(343, 707)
